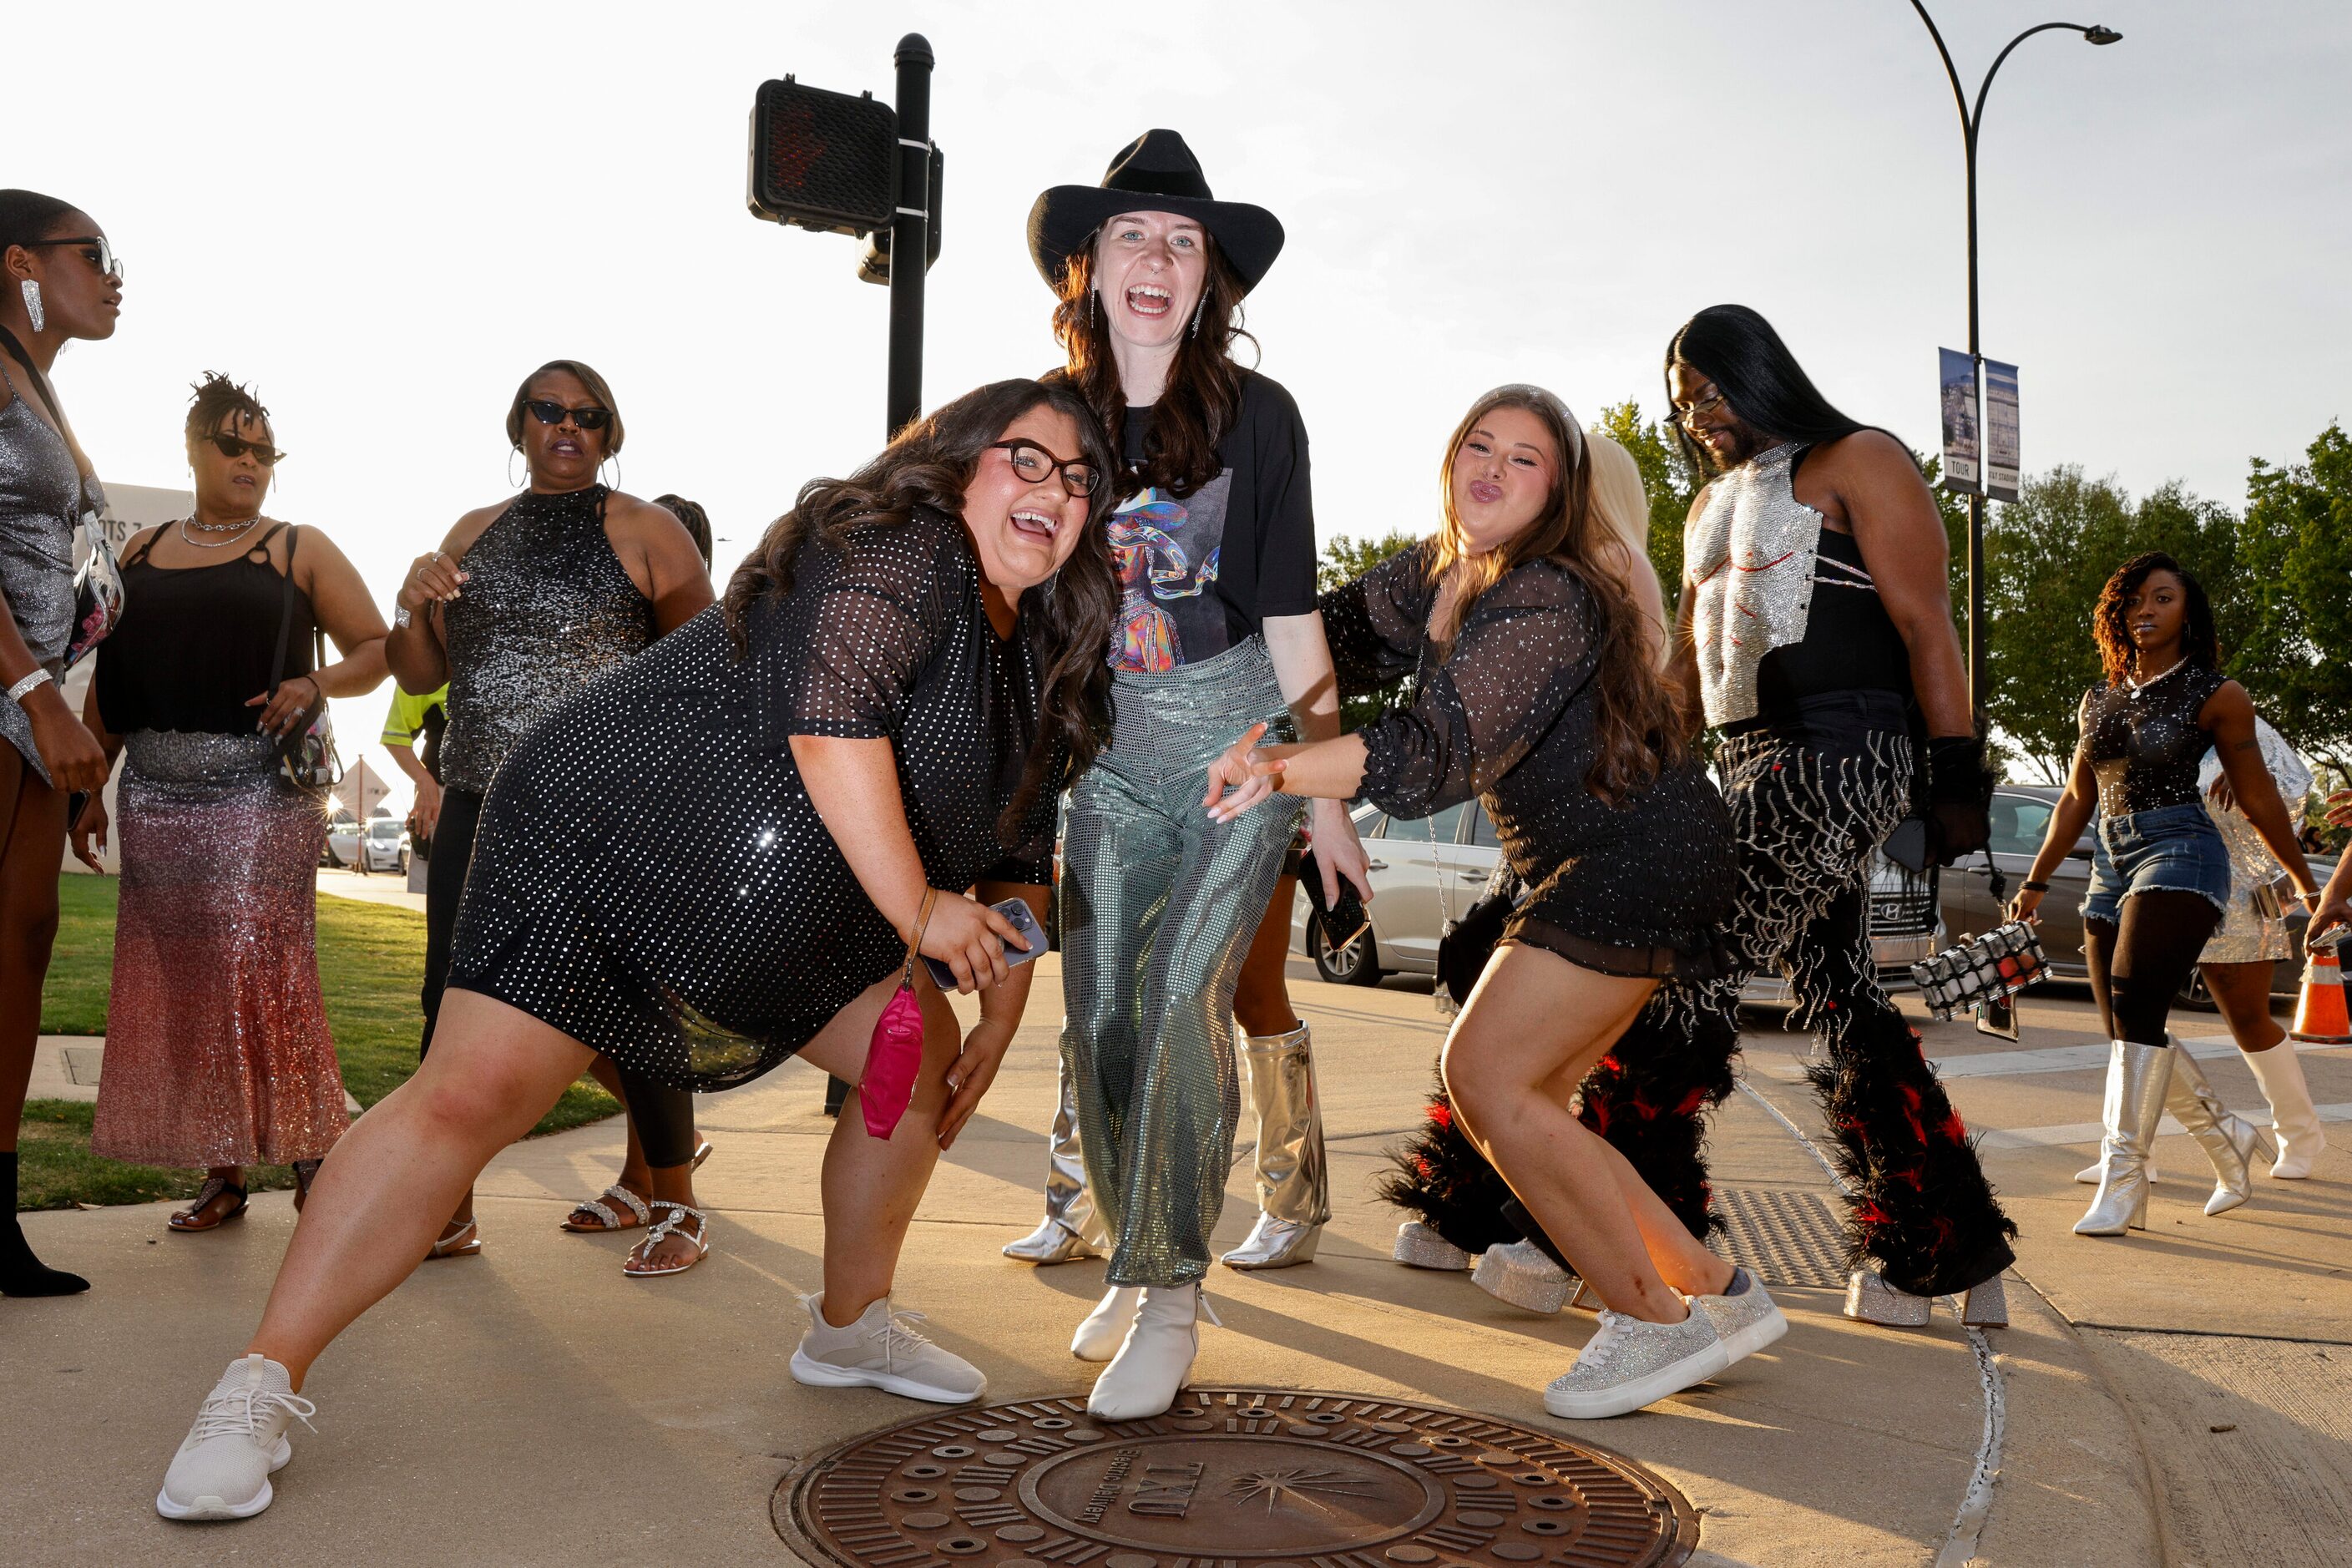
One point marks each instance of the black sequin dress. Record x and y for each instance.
(652, 878)
(1638, 888)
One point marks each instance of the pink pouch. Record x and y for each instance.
(895, 1055)
(893, 1058)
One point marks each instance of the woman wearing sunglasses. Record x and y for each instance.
(728, 851)
(525, 602)
(217, 1052)
(59, 280)
(1214, 540)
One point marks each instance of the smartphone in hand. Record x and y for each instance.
(1017, 911)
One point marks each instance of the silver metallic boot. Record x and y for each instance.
(2137, 1077)
(1071, 1228)
(1294, 1190)
(2229, 1140)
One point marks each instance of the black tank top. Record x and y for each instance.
(197, 643)
(547, 604)
(1850, 642)
(2143, 742)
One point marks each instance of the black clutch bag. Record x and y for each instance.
(2001, 963)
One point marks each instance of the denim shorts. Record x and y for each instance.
(2174, 848)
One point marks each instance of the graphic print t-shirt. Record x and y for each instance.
(1201, 573)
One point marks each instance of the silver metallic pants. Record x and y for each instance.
(1159, 904)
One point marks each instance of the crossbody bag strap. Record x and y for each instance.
(286, 618)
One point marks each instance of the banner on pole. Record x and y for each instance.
(2000, 449)
(1960, 404)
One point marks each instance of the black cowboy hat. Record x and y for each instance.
(1155, 173)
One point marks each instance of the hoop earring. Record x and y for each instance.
(1200, 309)
(615, 483)
(31, 290)
(513, 483)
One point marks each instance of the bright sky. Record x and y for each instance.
(385, 216)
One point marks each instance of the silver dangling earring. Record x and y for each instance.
(1094, 307)
(31, 290)
(513, 483)
(1199, 310)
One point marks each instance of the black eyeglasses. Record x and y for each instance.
(267, 456)
(99, 255)
(1033, 463)
(588, 418)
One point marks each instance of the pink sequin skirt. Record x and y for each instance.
(217, 1045)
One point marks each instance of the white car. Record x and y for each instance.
(1427, 872)
(384, 846)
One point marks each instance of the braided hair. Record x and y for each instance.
(218, 398)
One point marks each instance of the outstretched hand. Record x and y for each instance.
(1243, 771)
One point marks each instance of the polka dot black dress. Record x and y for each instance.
(652, 878)
(1637, 889)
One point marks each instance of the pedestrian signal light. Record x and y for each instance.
(823, 160)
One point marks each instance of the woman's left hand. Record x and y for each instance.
(282, 714)
(2339, 809)
(970, 1074)
(2222, 796)
(1241, 770)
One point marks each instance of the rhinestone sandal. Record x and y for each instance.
(605, 1217)
(671, 1224)
(458, 1239)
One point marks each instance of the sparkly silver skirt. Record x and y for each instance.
(2246, 935)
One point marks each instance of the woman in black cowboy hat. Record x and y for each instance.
(1214, 540)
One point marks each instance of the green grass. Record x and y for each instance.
(371, 965)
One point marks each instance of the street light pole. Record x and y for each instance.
(1971, 121)
(910, 232)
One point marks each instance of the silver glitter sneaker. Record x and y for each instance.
(1629, 1363)
(1871, 1299)
(1523, 1275)
(1745, 1316)
(1420, 1247)
(237, 1442)
(883, 1350)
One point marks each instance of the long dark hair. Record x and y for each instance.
(2199, 645)
(1638, 725)
(1204, 385)
(929, 464)
(1760, 380)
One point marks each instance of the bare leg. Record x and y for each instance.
(373, 1213)
(1262, 997)
(872, 1186)
(2242, 991)
(32, 842)
(1533, 1028)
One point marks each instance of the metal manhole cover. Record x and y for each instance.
(1262, 1477)
(1785, 1237)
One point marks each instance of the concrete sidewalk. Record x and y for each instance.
(535, 1405)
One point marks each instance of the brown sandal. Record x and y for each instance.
(216, 1188)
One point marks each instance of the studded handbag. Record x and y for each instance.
(2001, 963)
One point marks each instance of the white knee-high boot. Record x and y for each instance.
(2292, 1116)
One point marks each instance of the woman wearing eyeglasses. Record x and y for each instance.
(1214, 541)
(525, 602)
(59, 280)
(728, 852)
(217, 1052)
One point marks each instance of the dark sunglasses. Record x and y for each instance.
(267, 456)
(1033, 463)
(99, 255)
(588, 418)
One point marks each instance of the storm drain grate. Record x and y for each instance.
(1784, 1237)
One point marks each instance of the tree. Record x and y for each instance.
(1345, 560)
(2296, 541)
(1667, 480)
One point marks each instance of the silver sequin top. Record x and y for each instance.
(1750, 559)
(547, 604)
(43, 495)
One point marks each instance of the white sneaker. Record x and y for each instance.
(1745, 1316)
(1629, 1363)
(1101, 1331)
(223, 1469)
(1155, 1358)
(883, 1350)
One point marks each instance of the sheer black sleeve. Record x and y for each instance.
(845, 647)
(1525, 650)
(1376, 624)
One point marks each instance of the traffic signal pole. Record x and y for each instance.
(911, 231)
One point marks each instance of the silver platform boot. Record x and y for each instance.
(1071, 1228)
(2229, 1140)
(1294, 1187)
(2137, 1077)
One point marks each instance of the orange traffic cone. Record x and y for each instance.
(2319, 1016)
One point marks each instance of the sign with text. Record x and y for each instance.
(2000, 449)
(1959, 389)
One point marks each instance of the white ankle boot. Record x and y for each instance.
(1102, 1330)
(1156, 1358)
(2292, 1116)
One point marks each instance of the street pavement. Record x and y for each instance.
(2182, 1396)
